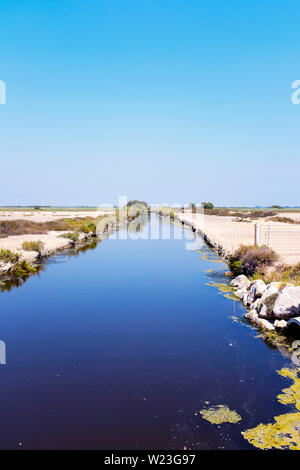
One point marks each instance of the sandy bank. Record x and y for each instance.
(229, 234)
(47, 216)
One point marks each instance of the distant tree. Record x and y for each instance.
(193, 207)
(37, 208)
(207, 205)
(275, 207)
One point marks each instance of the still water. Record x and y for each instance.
(121, 346)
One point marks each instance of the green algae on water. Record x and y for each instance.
(220, 414)
(285, 432)
(224, 288)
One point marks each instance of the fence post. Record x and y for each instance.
(257, 237)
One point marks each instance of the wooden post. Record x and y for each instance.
(257, 234)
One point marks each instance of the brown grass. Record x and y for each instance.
(24, 227)
(285, 220)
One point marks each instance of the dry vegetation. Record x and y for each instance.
(285, 220)
(254, 262)
(251, 260)
(285, 273)
(8, 256)
(24, 227)
(33, 246)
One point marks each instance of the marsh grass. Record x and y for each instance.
(285, 274)
(22, 269)
(73, 236)
(8, 256)
(33, 246)
(285, 220)
(24, 227)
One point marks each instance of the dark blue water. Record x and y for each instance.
(118, 347)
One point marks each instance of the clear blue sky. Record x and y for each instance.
(164, 100)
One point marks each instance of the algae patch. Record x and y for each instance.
(285, 432)
(224, 289)
(220, 414)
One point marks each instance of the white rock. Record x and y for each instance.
(4, 267)
(240, 293)
(240, 281)
(281, 324)
(263, 312)
(271, 289)
(252, 315)
(30, 256)
(255, 304)
(265, 324)
(258, 288)
(287, 303)
(245, 298)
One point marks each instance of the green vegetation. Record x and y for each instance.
(251, 260)
(33, 246)
(285, 274)
(284, 432)
(207, 205)
(220, 414)
(22, 269)
(8, 256)
(74, 236)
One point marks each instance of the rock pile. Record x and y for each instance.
(270, 305)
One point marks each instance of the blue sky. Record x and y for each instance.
(164, 100)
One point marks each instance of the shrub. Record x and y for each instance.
(285, 220)
(22, 269)
(33, 246)
(8, 256)
(86, 228)
(250, 260)
(71, 236)
(207, 205)
(286, 273)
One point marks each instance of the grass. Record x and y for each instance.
(33, 246)
(22, 269)
(254, 262)
(8, 256)
(285, 220)
(74, 236)
(286, 274)
(250, 214)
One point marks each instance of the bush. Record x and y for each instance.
(71, 236)
(8, 256)
(250, 260)
(286, 273)
(86, 228)
(33, 246)
(22, 269)
(207, 205)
